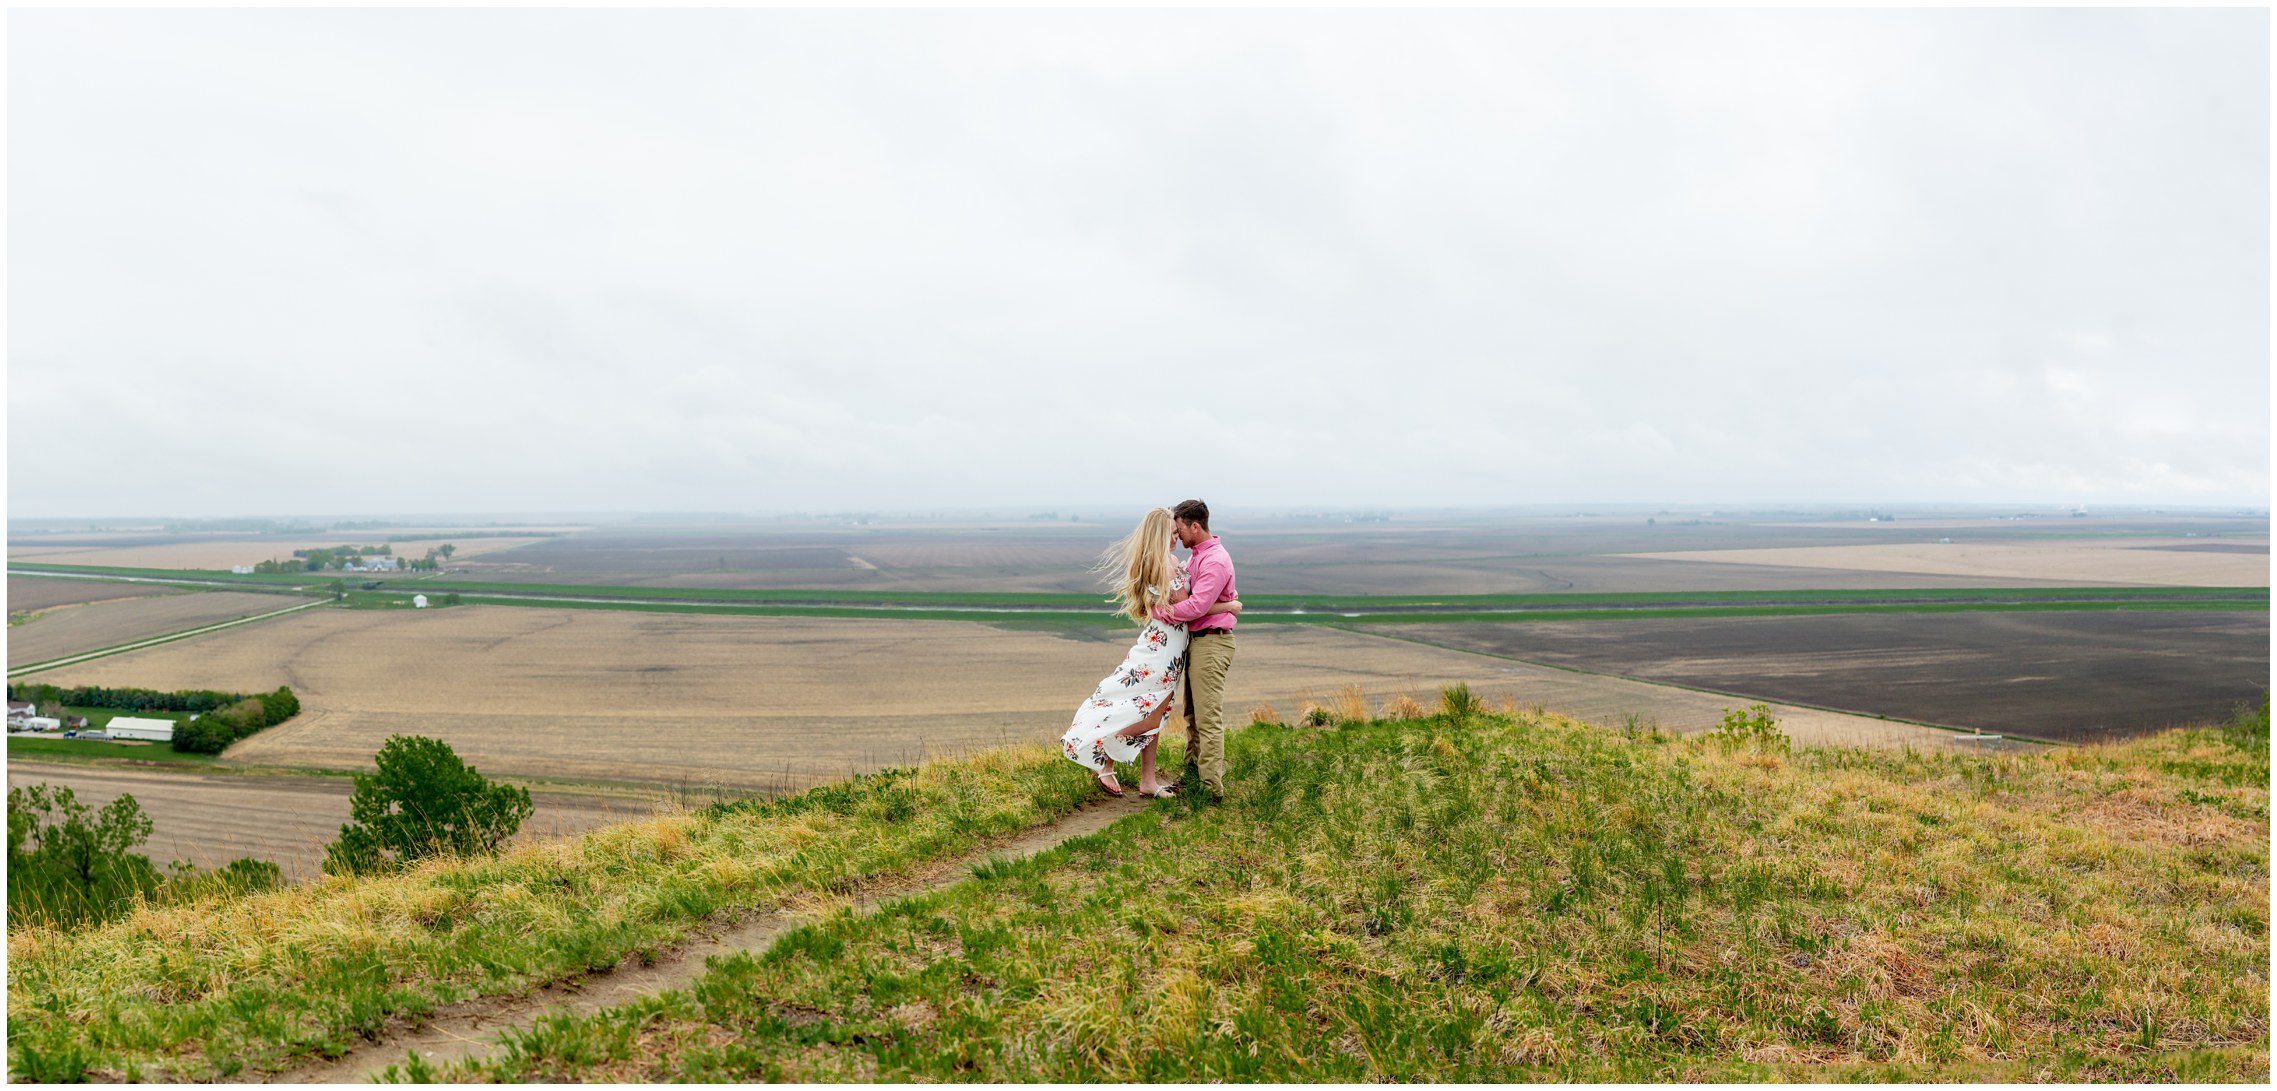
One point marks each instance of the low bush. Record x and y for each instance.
(1458, 703)
(1751, 728)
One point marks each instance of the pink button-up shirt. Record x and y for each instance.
(1209, 581)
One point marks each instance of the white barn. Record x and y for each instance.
(418, 602)
(133, 727)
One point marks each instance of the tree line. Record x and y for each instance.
(320, 560)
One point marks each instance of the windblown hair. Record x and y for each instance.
(1140, 566)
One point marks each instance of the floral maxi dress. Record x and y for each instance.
(1147, 679)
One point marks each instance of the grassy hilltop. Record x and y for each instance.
(1486, 897)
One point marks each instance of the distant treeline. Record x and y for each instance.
(223, 718)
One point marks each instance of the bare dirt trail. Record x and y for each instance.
(471, 1029)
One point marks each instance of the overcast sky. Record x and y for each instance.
(271, 262)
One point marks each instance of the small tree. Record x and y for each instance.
(423, 801)
(448, 549)
(68, 863)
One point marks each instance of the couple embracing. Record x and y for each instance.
(1189, 611)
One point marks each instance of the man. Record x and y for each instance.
(1209, 645)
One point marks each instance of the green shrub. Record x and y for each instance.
(2248, 728)
(1751, 728)
(1458, 703)
(424, 801)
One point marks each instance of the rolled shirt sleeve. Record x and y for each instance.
(1209, 580)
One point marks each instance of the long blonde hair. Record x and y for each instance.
(1140, 566)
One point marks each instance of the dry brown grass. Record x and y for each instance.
(66, 630)
(1351, 704)
(2092, 560)
(1401, 706)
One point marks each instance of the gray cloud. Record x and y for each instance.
(752, 260)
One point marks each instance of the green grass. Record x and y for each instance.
(84, 751)
(1532, 899)
(237, 985)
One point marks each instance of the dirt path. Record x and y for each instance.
(470, 1029)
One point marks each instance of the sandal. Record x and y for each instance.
(1115, 790)
(1163, 791)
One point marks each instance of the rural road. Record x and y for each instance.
(213, 818)
(471, 1029)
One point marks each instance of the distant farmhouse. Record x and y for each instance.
(19, 711)
(240, 570)
(371, 564)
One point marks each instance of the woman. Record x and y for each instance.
(1123, 718)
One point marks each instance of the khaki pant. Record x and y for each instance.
(1209, 656)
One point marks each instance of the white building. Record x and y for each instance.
(133, 727)
(418, 602)
(42, 723)
(18, 710)
(240, 570)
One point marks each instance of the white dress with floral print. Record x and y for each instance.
(1147, 679)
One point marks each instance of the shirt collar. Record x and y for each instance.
(1205, 544)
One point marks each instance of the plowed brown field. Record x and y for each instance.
(70, 629)
(37, 593)
(2160, 561)
(779, 702)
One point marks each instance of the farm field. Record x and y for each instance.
(211, 819)
(26, 593)
(2124, 561)
(2072, 677)
(70, 629)
(773, 703)
(212, 554)
(1284, 554)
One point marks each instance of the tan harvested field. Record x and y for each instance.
(40, 593)
(223, 554)
(211, 819)
(2158, 561)
(66, 630)
(766, 703)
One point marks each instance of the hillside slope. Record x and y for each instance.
(1493, 898)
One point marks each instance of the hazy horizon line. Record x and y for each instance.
(1042, 510)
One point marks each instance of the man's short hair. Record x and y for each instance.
(1193, 511)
